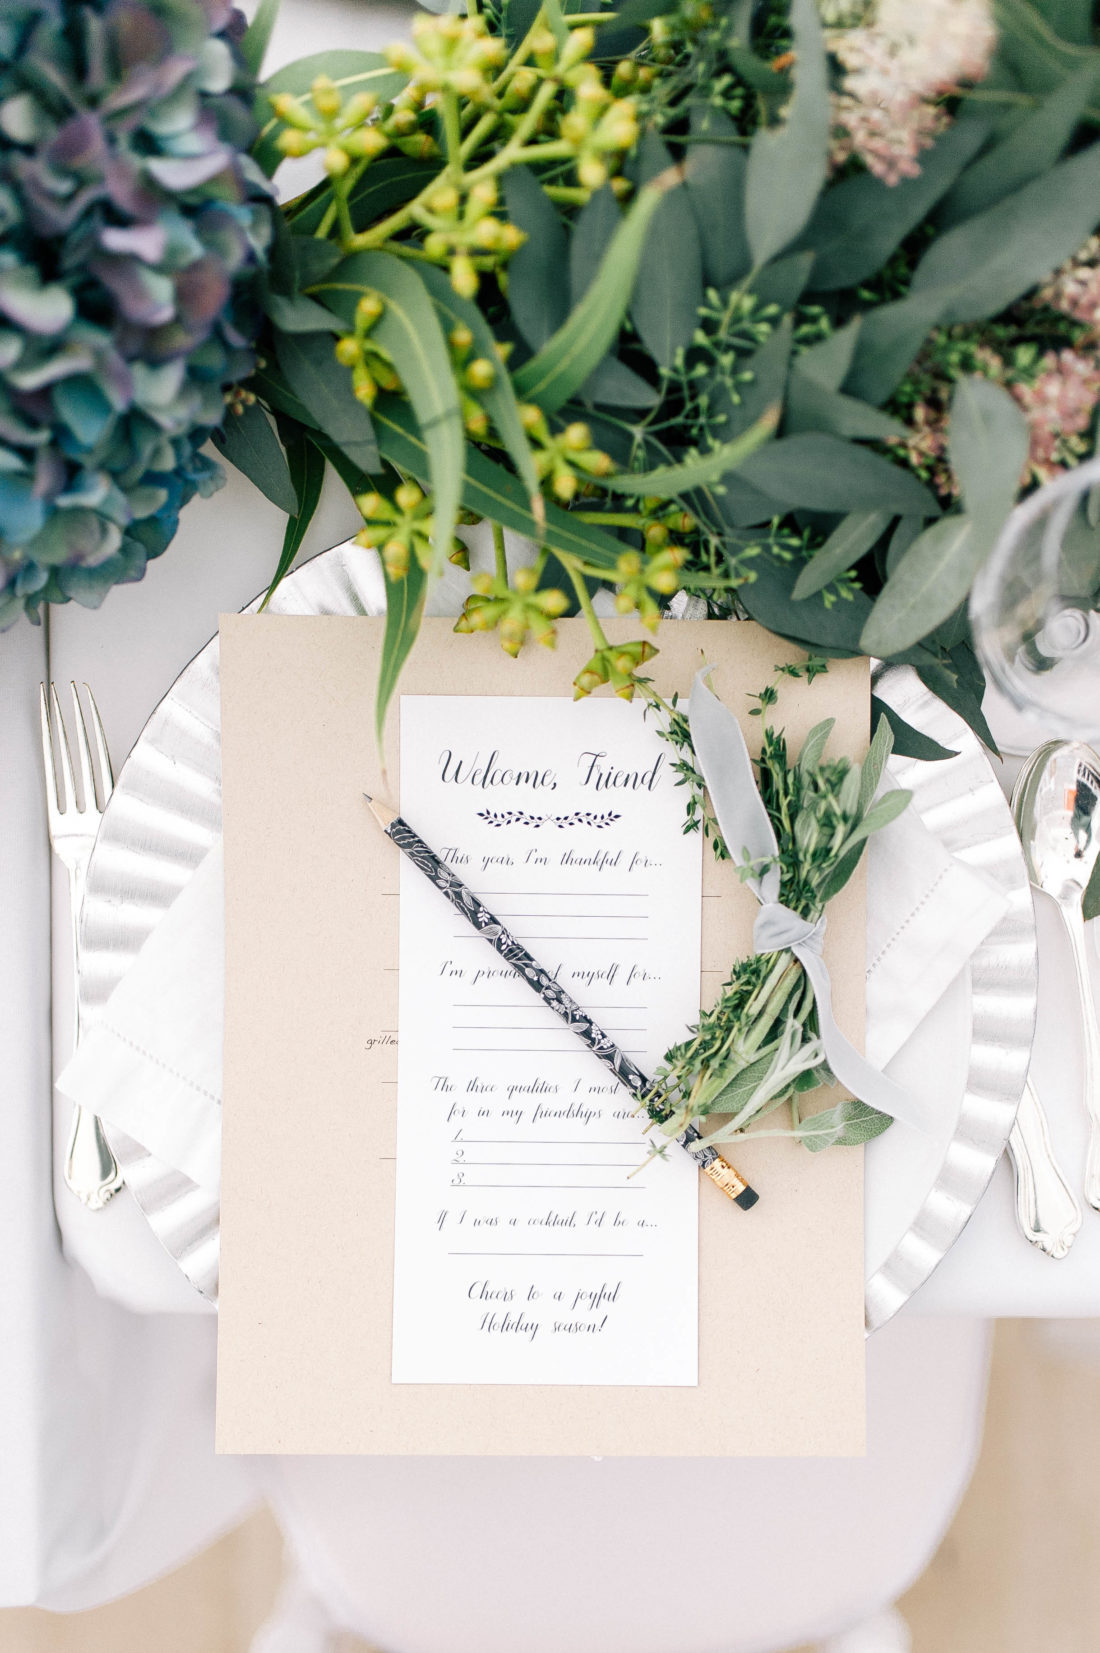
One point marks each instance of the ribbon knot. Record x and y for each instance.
(777, 927)
(723, 761)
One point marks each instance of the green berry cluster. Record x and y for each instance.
(346, 131)
(371, 368)
(402, 528)
(464, 232)
(617, 665)
(450, 53)
(517, 608)
(566, 458)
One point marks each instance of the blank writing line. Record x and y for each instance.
(592, 1008)
(601, 1187)
(475, 935)
(544, 1142)
(549, 1164)
(535, 1050)
(566, 895)
(546, 1254)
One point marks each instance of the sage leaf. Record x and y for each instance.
(1029, 150)
(811, 407)
(249, 442)
(859, 222)
(848, 542)
(928, 584)
(909, 742)
(538, 296)
(307, 472)
(668, 290)
(823, 473)
(323, 394)
(350, 71)
(845, 1126)
(814, 745)
(714, 174)
(787, 164)
(874, 764)
(500, 398)
(404, 612)
(698, 471)
(569, 356)
(888, 340)
(985, 264)
(410, 332)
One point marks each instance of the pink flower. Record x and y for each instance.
(1059, 406)
(909, 53)
(1074, 288)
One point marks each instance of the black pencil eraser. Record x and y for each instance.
(747, 1198)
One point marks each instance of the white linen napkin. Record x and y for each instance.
(152, 1063)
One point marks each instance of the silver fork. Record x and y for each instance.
(91, 1170)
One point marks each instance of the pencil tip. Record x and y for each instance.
(368, 797)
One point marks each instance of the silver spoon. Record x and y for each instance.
(1057, 811)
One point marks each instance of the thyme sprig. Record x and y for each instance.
(759, 1048)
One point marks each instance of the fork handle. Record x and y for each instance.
(91, 1171)
(1047, 1211)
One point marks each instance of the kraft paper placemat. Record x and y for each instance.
(310, 1085)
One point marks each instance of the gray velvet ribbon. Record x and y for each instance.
(722, 759)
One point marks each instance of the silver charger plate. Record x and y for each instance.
(165, 815)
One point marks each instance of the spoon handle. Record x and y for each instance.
(1075, 928)
(1048, 1213)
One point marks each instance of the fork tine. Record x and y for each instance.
(67, 797)
(106, 774)
(84, 755)
(47, 750)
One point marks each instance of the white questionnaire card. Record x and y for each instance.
(526, 1251)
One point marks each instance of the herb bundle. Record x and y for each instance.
(758, 1048)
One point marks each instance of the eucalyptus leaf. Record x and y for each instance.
(538, 294)
(1028, 151)
(959, 682)
(811, 407)
(670, 480)
(828, 362)
(350, 71)
(1040, 58)
(901, 539)
(767, 598)
(848, 542)
(410, 332)
(593, 229)
(787, 164)
(255, 39)
(988, 439)
(565, 361)
(404, 612)
(715, 179)
(889, 338)
(323, 393)
(845, 1126)
(824, 473)
(307, 473)
(612, 384)
(500, 398)
(986, 263)
(299, 314)
(765, 388)
(1090, 902)
(386, 185)
(249, 442)
(928, 584)
(909, 742)
(491, 491)
(1071, 20)
(783, 282)
(668, 290)
(859, 222)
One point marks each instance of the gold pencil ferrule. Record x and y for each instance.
(723, 1175)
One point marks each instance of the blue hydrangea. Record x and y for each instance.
(133, 226)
